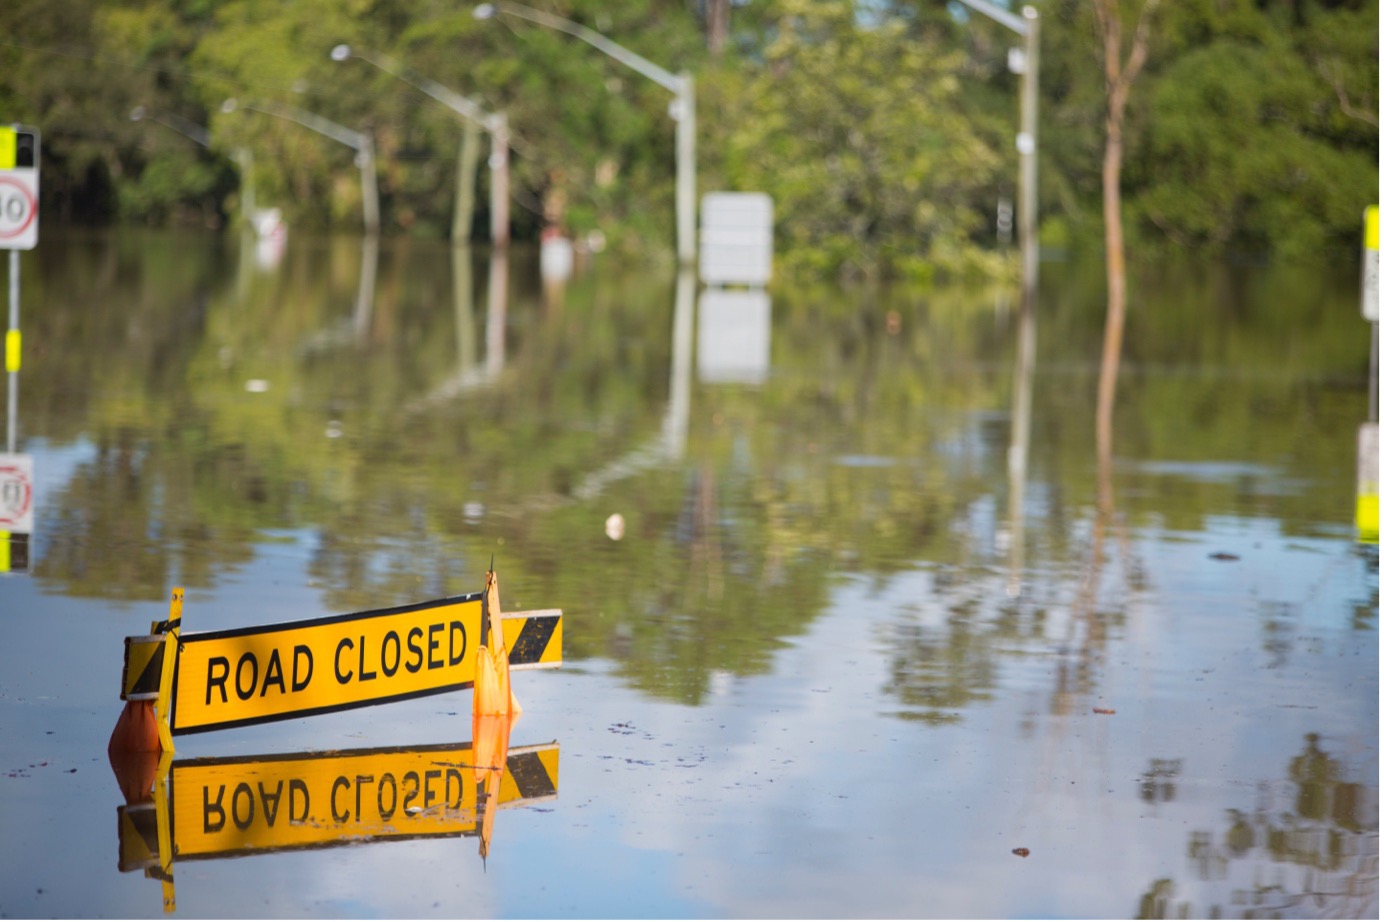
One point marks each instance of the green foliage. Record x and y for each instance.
(1286, 172)
(166, 184)
(1254, 129)
(862, 138)
(883, 130)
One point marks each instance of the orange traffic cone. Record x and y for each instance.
(134, 750)
(492, 695)
(136, 730)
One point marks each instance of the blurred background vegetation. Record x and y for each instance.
(883, 129)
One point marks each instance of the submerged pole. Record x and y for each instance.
(12, 356)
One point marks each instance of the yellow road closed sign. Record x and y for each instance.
(251, 675)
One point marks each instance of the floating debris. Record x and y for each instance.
(1103, 710)
(1224, 555)
(615, 527)
(1021, 852)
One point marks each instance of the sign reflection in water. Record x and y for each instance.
(204, 808)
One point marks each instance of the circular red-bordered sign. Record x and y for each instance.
(16, 495)
(30, 208)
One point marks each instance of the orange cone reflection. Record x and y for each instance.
(490, 735)
(135, 772)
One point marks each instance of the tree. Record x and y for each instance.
(717, 17)
(862, 136)
(1256, 137)
(884, 128)
(264, 52)
(1120, 72)
(594, 140)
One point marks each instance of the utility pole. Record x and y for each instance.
(683, 109)
(1027, 140)
(497, 123)
(359, 141)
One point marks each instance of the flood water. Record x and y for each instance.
(851, 649)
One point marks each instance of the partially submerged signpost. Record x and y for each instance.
(1367, 438)
(19, 160)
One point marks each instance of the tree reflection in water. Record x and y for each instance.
(1309, 846)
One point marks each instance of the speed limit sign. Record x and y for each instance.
(18, 188)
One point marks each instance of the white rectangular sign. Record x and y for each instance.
(18, 188)
(737, 246)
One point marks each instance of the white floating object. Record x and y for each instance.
(615, 527)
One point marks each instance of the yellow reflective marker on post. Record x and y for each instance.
(14, 551)
(1369, 282)
(12, 342)
(8, 146)
(1367, 483)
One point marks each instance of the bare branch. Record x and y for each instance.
(1108, 17)
(1138, 55)
(1337, 81)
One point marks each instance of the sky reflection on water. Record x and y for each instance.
(825, 672)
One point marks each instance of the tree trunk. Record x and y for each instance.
(555, 200)
(464, 209)
(1118, 80)
(1115, 294)
(717, 25)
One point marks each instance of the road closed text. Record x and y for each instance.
(228, 678)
